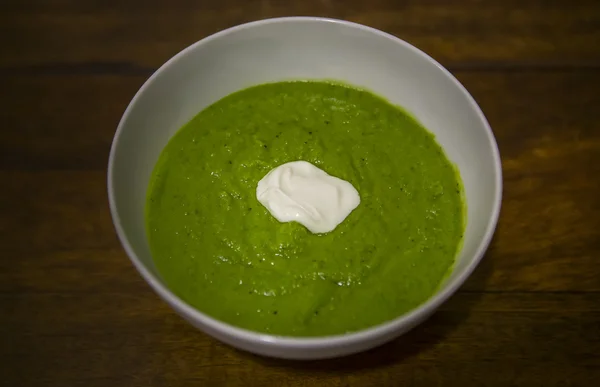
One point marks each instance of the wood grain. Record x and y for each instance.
(485, 339)
(141, 35)
(530, 112)
(75, 313)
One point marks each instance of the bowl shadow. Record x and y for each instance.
(415, 342)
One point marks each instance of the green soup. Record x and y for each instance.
(221, 251)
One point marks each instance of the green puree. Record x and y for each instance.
(221, 251)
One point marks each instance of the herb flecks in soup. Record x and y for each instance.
(223, 252)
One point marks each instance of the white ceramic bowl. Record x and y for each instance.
(303, 48)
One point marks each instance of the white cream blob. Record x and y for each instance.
(300, 192)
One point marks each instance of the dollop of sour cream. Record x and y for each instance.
(301, 192)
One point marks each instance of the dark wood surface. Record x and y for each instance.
(73, 311)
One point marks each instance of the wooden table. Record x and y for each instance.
(75, 313)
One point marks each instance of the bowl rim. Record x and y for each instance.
(390, 327)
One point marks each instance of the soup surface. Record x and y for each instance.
(222, 252)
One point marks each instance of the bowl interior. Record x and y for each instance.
(302, 49)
